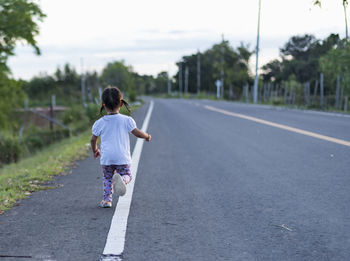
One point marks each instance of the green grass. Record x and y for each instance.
(19, 180)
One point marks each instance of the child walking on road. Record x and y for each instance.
(114, 129)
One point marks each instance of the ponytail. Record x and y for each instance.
(101, 110)
(126, 105)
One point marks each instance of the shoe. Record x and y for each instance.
(105, 204)
(119, 184)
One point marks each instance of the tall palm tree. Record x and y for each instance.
(345, 4)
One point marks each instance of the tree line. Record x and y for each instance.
(306, 66)
(303, 60)
(220, 62)
(309, 65)
(304, 63)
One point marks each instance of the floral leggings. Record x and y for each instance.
(108, 173)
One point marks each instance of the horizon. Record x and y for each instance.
(151, 47)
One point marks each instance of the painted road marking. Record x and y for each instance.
(281, 126)
(116, 236)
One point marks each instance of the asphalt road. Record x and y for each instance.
(209, 187)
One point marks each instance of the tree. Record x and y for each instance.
(40, 87)
(92, 83)
(299, 47)
(117, 74)
(345, 5)
(142, 83)
(272, 71)
(18, 22)
(234, 62)
(336, 62)
(300, 56)
(65, 84)
(12, 97)
(161, 82)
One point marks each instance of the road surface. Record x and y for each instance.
(211, 185)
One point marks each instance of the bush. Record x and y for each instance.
(132, 96)
(73, 114)
(40, 138)
(10, 149)
(34, 142)
(277, 101)
(92, 111)
(80, 127)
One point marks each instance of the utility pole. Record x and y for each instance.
(321, 91)
(257, 58)
(186, 79)
(52, 106)
(169, 84)
(346, 21)
(82, 80)
(337, 92)
(222, 67)
(198, 73)
(180, 78)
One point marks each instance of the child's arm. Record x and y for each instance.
(141, 134)
(93, 142)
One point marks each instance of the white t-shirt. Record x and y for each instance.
(115, 144)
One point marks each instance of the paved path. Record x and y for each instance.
(210, 186)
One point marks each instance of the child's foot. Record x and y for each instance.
(119, 184)
(105, 204)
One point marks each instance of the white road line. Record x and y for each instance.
(280, 108)
(281, 126)
(116, 236)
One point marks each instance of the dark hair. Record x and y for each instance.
(111, 98)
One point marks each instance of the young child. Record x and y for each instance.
(114, 129)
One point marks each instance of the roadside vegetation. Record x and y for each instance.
(18, 180)
(310, 73)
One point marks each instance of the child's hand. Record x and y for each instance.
(97, 153)
(149, 137)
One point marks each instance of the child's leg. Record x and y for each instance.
(108, 171)
(125, 172)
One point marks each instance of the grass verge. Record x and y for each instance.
(19, 180)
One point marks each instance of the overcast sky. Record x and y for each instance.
(153, 35)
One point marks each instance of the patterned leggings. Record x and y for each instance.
(108, 173)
